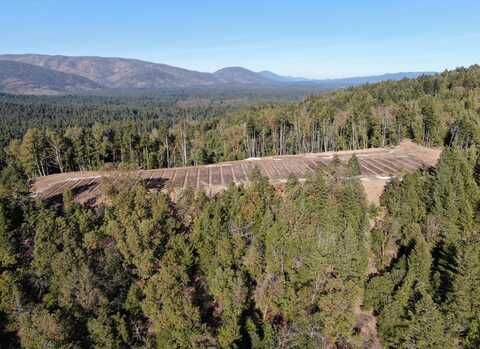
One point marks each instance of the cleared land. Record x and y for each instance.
(378, 166)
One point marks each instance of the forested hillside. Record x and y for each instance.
(16, 77)
(427, 251)
(252, 267)
(55, 137)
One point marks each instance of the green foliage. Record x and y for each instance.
(251, 267)
(56, 134)
(426, 296)
(140, 225)
(354, 166)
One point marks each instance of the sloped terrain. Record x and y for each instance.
(22, 78)
(118, 72)
(113, 73)
(377, 165)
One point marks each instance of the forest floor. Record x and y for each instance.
(367, 328)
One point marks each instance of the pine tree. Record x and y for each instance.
(354, 166)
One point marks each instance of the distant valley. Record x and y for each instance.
(57, 75)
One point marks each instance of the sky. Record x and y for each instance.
(315, 39)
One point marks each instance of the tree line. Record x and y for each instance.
(432, 110)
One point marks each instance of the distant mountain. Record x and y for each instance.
(344, 82)
(119, 72)
(22, 78)
(44, 74)
(275, 77)
(354, 81)
(239, 75)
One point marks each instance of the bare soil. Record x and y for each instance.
(378, 166)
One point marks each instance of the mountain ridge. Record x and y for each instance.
(23, 78)
(113, 73)
(241, 75)
(273, 76)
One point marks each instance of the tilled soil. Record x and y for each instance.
(378, 166)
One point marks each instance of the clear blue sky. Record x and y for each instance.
(306, 38)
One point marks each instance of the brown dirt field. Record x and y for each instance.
(373, 188)
(378, 165)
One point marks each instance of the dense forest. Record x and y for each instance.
(252, 267)
(80, 133)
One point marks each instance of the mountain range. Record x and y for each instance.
(56, 75)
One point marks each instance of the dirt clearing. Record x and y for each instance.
(377, 165)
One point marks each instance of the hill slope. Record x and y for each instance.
(22, 78)
(119, 72)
